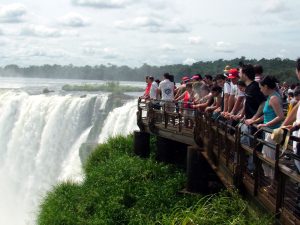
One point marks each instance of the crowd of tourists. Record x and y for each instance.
(240, 95)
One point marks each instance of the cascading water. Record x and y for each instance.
(39, 145)
(120, 121)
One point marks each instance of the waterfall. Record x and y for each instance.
(120, 121)
(39, 145)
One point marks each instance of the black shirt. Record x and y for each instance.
(254, 97)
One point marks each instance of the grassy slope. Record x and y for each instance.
(122, 189)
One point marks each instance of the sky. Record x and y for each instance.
(156, 32)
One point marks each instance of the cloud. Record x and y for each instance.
(195, 40)
(222, 46)
(282, 53)
(46, 32)
(168, 47)
(13, 13)
(41, 52)
(152, 24)
(103, 3)
(40, 31)
(189, 61)
(274, 6)
(106, 53)
(74, 20)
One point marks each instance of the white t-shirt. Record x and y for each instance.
(153, 90)
(235, 91)
(167, 90)
(227, 88)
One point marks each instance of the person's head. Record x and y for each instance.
(151, 79)
(226, 69)
(157, 81)
(258, 69)
(147, 79)
(220, 79)
(297, 93)
(216, 90)
(298, 68)
(208, 79)
(196, 77)
(233, 75)
(241, 85)
(185, 79)
(268, 84)
(247, 73)
(171, 78)
(285, 85)
(166, 76)
(290, 96)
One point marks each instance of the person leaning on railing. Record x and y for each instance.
(292, 121)
(272, 118)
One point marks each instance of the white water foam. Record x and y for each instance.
(39, 146)
(121, 121)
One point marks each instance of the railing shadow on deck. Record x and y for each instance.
(223, 145)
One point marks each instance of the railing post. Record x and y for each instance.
(280, 183)
(257, 164)
(238, 174)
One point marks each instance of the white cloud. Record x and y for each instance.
(195, 40)
(222, 46)
(189, 61)
(168, 47)
(282, 53)
(40, 31)
(46, 32)
(74, 20)
(103, 3)
(12, 13)
(41, 52)
(152, 24)
(106, 53)
(274, 6)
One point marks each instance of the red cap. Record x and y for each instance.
(185, 78)
(233, 73)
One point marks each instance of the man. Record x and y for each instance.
(254, 104)
(153, 89)
(258, 72)
(236, 97)
(221, 82)
(166, 89)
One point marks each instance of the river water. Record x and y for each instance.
(41, 135)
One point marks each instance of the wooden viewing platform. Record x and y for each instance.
(218, 144)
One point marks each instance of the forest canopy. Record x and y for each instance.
(283, 69)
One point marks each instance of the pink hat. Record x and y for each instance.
(233, 73)
(185, 78)
(195, 77)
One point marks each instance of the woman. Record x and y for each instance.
(272, 117)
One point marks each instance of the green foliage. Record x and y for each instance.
(284, 69)
(113, 87)
(120, 188)
(222, 208)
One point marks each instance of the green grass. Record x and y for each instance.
(112, 86)
(120, 188)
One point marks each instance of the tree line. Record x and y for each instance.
(283, 69)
